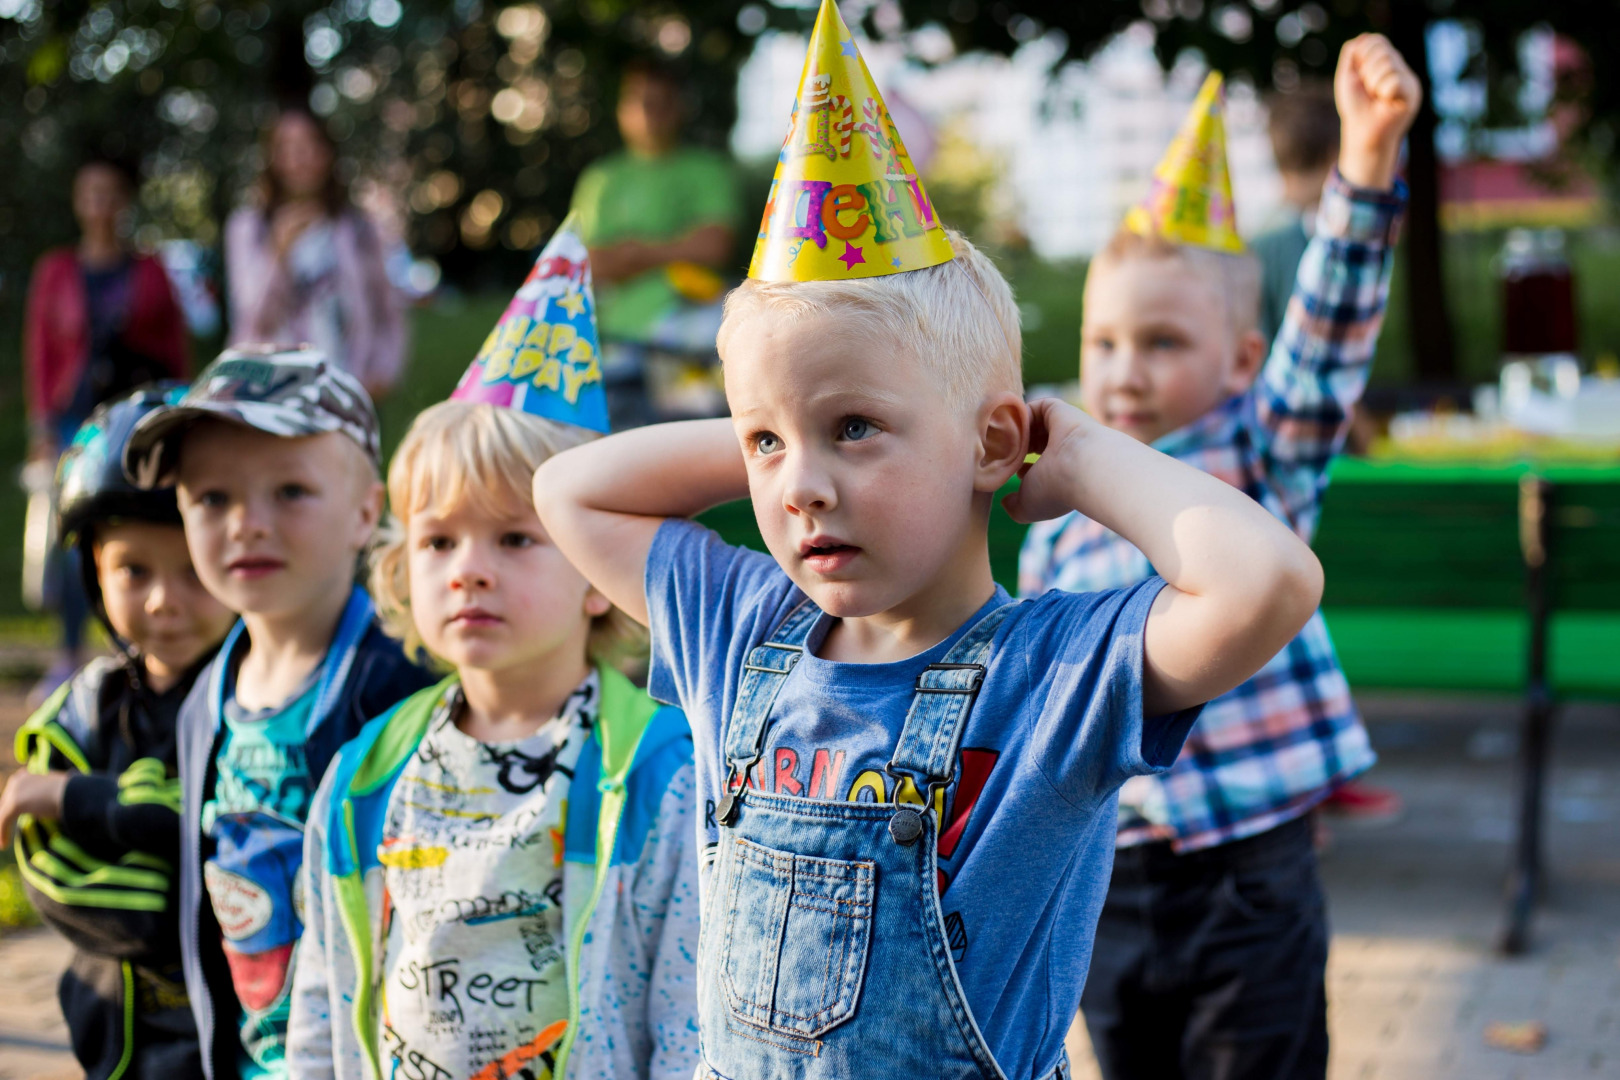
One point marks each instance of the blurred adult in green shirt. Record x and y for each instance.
(660, 221)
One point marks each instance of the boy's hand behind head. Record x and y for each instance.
(1378, 96)
(1046, 488)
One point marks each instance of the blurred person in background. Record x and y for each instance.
(304, 264)
(1304, 130)
(101, 320)
(660, 221)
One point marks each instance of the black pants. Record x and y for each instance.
(1210, 965)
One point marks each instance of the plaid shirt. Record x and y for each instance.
(1274, 747)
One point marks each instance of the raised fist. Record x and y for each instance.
(1377, 95)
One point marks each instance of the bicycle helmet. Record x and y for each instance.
(91, 488)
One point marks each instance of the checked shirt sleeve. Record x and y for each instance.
(1323, 351)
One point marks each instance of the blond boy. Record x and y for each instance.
(1213, 941)
(900, 879)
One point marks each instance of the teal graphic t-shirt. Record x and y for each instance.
(256, 819)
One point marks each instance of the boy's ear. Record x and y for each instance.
(597, 604)
(1251, 354)
(370, 505)
(1003, 440)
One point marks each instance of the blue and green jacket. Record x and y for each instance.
(629, 895)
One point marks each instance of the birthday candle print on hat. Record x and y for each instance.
(846, 201)
(1189, 200)
(544, 357)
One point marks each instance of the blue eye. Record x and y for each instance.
(856, 428)
(766, 442)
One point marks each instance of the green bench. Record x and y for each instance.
(1431, 586)
(1492, 579)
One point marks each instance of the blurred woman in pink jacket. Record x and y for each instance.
(306, 265)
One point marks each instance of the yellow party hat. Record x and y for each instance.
(1189, 200)
(846, 201)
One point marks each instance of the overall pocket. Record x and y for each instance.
(797, 931)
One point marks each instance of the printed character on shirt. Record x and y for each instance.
(274, 454)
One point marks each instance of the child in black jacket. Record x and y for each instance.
(97, 811)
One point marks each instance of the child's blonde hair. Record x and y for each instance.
(461, 453)
(1234, 277)
(958, 317)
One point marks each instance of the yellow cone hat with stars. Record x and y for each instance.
(846, 201)
(1189, 200)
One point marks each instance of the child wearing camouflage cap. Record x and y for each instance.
(275, 457)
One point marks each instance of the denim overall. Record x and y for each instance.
(824, 950)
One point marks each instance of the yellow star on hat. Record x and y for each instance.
(1189, 200)
(846, 201)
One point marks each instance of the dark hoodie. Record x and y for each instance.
(104, 875)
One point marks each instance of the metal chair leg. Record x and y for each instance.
(1524, 879)
(1525, 876)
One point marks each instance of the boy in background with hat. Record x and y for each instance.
(275, 456)
(907, 779)
(1213, 943)
(98, 838)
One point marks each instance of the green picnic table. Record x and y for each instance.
(1499, 578)
(1448, 577)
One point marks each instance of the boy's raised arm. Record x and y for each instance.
(1323, 352)
(1241, 584)
(603, 502)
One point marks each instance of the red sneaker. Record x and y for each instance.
(1364, 803)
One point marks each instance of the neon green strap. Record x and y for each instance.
(40, 734)
(147, 782)
(353, 910)
(128, 971)
(623, 719)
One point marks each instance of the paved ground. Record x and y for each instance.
(1416, 906)
(1413, 979)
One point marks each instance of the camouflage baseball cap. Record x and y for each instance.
(280, 391)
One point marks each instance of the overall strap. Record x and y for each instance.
(764, 672)
(926, 750)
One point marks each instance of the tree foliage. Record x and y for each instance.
(481, 114)
(1276, 43)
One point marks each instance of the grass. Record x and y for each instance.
(15, 910)
(447, 334)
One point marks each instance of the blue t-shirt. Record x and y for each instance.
(256, 819)
(1026, 845)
